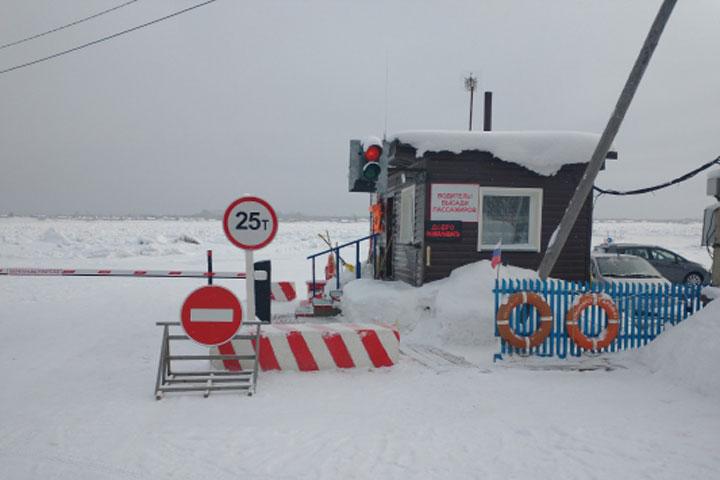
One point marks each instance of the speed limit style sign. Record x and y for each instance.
(250, 223)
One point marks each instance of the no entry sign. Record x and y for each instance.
(211, 315)
(250, 223)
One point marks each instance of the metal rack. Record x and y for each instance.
(204, 380)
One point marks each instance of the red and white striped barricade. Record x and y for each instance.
(311, 347)
(282, 291)
(319, 288)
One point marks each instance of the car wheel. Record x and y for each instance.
(693, 279)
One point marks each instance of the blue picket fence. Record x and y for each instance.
(645, 311)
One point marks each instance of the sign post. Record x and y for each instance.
(250, 223)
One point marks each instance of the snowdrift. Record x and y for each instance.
(459, 310)
(454, 310)
(687, 354)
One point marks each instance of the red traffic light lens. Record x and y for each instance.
(373, 153)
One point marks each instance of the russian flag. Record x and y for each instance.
(496, 257)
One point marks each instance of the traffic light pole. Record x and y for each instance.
(557, 242)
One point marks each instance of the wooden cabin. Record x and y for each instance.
(452, 196)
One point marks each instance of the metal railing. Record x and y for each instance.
(645, 310)
(357, 267)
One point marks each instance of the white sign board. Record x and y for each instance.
(250, 223)
(454, 201)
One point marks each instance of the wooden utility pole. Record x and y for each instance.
(557, 242)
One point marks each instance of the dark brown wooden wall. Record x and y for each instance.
(574, 261)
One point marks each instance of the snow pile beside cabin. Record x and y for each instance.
(542, 152)
(458, 309)
(687, 354)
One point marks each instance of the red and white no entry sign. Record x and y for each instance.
(211, 315)
(250, 223)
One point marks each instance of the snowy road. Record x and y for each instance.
(78, 358)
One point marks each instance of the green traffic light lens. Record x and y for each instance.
(371, 171)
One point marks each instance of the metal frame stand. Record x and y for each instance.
(208, 380)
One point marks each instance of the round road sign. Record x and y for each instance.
(211, 315)
(250, 223)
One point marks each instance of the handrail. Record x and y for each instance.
(336, 251)
(374, 235)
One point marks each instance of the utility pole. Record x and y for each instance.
(716, 250)
(471, 85)
(557, 242)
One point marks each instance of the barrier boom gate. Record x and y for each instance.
(170, 379)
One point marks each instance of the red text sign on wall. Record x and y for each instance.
(454, 202)
(445, 231)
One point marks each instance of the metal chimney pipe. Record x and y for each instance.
(487, 123)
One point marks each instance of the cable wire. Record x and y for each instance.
(66, 26)
(662, 185)
(17, 67)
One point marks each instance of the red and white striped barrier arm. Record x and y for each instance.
(282, 291)
(311, 347)
(60, 272)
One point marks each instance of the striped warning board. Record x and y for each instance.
(311, 347)
(282, 291)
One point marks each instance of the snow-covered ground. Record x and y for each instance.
(78, 358)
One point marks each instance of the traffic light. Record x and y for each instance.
(368, 166)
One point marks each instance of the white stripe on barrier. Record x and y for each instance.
(316, 345)
(388, 340)
(281, 347)
(283, 291)
(354, 345)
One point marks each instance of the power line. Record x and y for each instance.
(662, 185)
(17, 67)
(66, 26)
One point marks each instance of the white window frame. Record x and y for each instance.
(535, 220)
(407, 215)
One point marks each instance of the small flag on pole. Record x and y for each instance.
(496, 256)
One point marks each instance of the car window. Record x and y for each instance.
(630, 267)
(638, 252)
(662, 255)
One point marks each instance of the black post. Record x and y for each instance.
(487, 120)
(262, 292)
(209, 258)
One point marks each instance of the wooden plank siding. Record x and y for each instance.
(408, 257)
(483, 169)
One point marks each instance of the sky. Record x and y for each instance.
(262, 97)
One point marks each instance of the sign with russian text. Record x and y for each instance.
(454, 202)
(443, 231)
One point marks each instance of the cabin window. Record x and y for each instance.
(407, 215)
(510, 215)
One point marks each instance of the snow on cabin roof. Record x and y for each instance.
(542, 152)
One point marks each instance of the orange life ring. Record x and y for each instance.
(521, 341)
(605, 337)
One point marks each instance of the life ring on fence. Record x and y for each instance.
(503, 320)
(605, 337)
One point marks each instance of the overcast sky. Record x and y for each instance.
(263, 96)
